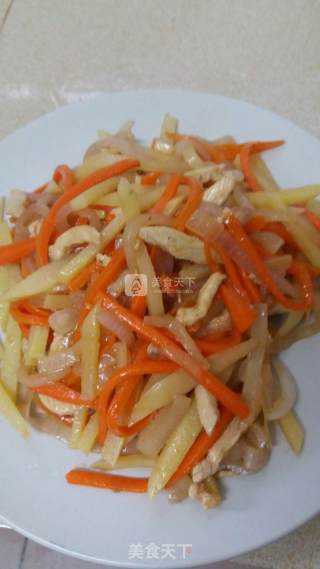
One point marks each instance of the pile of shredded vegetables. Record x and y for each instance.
(144, 297)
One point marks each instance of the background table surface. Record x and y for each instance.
(55, 52)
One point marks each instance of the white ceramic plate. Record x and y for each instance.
(106, 527)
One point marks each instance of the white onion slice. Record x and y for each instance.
(110, 321)
(63, 321)
(205, 223)
(233, 250)
(37, 379)
(253, 383)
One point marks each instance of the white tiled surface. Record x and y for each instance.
(12, 546)
(54, 52)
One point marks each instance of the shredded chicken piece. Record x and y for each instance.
(177, 243)
(219, 192)
(73, 236)
(208, 494)
(189, 315)
(34, 227)
(231, 435)
(102, 259)
(16, 203)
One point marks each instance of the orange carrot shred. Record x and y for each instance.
(150, 178)
(82, 278)
(246, 168)
(63, 393)
(123, 402)
(15, 251)
(135, 369)
(169, 192)
(65, 176)
(192, 203)
(242, 314)
(139, 305)
(107, 481)
(245, 154)
(297, 269)
(256, 223)
(29, 319)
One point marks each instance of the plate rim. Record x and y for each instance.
(92, 97)
(88, 101)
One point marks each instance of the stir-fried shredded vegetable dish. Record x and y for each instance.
(144, 298)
